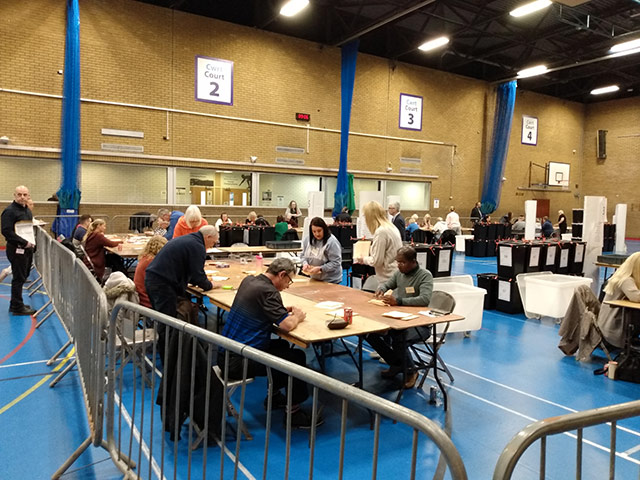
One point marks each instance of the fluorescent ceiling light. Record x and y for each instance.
(533, 71)
(609, 89)
(293, 7)
(626, 52)
(528, 8)
(623, 47)
(433, 44)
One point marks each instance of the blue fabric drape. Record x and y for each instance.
(494, 170)
(69, 193)
(348, 75)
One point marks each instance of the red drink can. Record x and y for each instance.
(348, 315)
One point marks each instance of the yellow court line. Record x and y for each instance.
(37, 385)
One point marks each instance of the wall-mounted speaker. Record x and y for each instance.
(602, 144)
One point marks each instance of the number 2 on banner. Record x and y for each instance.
(214, 80)
(214, 92)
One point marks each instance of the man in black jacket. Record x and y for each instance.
(396, 218)
(181, 261)
(19, 250)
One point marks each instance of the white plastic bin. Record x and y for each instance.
(460, 239)
(469, 304)
(522, 279)
(550, 295)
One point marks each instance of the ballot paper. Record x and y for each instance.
(379, 302)
(210, 272)
(329, 305)
(218, 279)
(399, 315)
(24, 229)
(214, 250)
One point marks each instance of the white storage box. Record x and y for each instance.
(469, 304)
(522, 279)
(460, 239)
(550, 295)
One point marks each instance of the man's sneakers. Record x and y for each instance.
(4, 273)
(410, 379)
(23, 310)
(393, 371)
(302, 420)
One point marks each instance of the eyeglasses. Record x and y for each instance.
(290, 281)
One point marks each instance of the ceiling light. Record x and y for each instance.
(433, 44)
(533, 71)
(528, 8)
(623, 47)
(293, 7)
(625, 52)
(609, 89)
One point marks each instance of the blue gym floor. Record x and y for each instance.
(507, 375)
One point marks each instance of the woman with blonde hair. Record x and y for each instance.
(384, 245)
(624, 284)
(94, 244)
(151, 249)
(426, 223)
(191, 222)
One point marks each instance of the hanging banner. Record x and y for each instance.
(214, 80)
(410, 112)
(529, 130)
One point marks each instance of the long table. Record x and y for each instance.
(306, 294)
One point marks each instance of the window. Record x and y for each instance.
(413, 195)
(200, 186)
(277, 190)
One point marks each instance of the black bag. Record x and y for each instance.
(628, 367)
(67, 242)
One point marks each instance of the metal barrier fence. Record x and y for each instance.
(133, 422)
(81, 307)
(577, 421)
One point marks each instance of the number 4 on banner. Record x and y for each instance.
(529, 130)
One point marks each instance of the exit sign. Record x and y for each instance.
(304, 117)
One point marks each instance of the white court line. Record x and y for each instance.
(154, 464)
(535, 397)
(29, 363)
(136, 434)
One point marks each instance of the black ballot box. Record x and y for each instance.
(252, 236)
(563, 257)
(492, 231)
(268, 234)
(237, 235)
(225, 236)
(480, 231)
(576, 257)
(468, 247)
(508, 296)
(548, 256)
(347, 235)
(489, 281)
(534, 257)
(512, 258)
(479, 248)
(439, 260)
(492, 248)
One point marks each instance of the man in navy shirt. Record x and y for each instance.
(256, 310)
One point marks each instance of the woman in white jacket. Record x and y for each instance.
(385, 244)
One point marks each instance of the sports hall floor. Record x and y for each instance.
(507, 375)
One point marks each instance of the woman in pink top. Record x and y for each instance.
(150, 251)
(191, 222)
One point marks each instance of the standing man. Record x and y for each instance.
(476, 213)
(179, 263)
(257, 309)
(19, 250)
(396, 218)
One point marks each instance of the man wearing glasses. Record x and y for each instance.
(256, 309)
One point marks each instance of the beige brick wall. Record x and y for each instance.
(140, 54)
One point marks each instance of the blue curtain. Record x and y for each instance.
(494, 170)
(69, 193)
(349, 57)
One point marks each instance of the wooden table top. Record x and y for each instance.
(306, 294)
(623, 303)
(132, 245)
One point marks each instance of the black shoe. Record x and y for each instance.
(390, 372)
(23, 310)
(301, 419)
(278, 401)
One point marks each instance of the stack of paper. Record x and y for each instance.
(399, 315)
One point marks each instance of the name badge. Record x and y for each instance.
(410, 290)
(19, 251)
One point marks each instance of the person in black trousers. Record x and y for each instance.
(19, 250)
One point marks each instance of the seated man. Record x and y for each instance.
(547, 227)
(256, 309)
(81, 229)
(518, 226)
(411, 285)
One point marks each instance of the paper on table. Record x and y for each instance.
(218, 279)
(329, 305)
(24, 229)
(211, 272)
(249, 272)
(399, 315)
(376, 301)
(214, 250)
(340, 313)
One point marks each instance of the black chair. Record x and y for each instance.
(425, 354)
(289, 235)
(422, 236)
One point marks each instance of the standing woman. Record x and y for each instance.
(385, 244)
(292, 211)
(453, 221)
(191, 222)
(624, 284)
(150, 251)
(94, 243)
(321, 253)
(562, 222)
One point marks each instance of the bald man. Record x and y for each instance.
(19, 250)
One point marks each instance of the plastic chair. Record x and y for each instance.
(232, 386)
